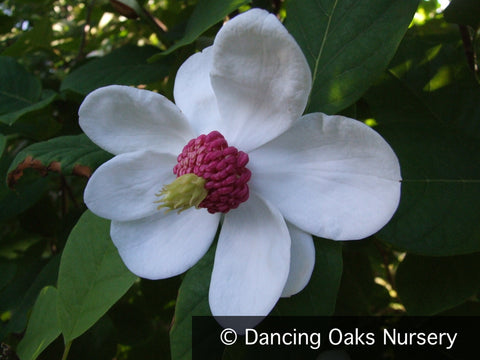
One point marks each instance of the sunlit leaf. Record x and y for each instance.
(92, 276)
(347, 44)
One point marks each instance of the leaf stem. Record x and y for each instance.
(66, 350)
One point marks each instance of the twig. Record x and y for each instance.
(86, 28)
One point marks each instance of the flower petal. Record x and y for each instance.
(164, 245)
(123, 119)
(251, 261)
(331, 176)
(124, 187)
(302, 261)
(260, 77)
(194, 94)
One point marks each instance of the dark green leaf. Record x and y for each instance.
(42, 327)
(440, 203)
(8, 269)
(359, 294)
(192, 300)
(37, 125)
(6, 23)
(20, 295)
(427, 108)
(206, 14)
(74, 154)
(92, 276)
(125, 66)
(20, 91)
(464, 12)
(428, 285)
(320, 295)
(46, 98)
(16, 201)
(3, 142)
(18, 88)
(99, 342)
(347, 44)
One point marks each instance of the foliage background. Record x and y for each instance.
(408, 68)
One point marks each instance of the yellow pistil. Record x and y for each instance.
(186, 191)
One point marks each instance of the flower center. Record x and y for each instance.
(210, 174)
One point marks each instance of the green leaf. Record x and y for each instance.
(42, 327)
(192, 300)
(464, 12)
(92, 276)
(440, 202)
(46, 98)
(18, 88)
(320, 295)
(347, 44)
(124, 66)
(206, 14)
(35, 124)
(428, 285)
(427, 109)
(74, 154)
(20, 91)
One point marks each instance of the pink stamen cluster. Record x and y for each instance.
(223, 168)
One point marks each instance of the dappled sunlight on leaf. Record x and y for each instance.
(442, 78)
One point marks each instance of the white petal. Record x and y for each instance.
(251, 261)
(302, 261)
(260, 77)
(331, 176)
(124, 187)
(164, 245)
(123, 119)
(194, 94)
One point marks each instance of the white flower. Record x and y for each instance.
(329, 176)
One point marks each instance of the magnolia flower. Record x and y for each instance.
(235, 150)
